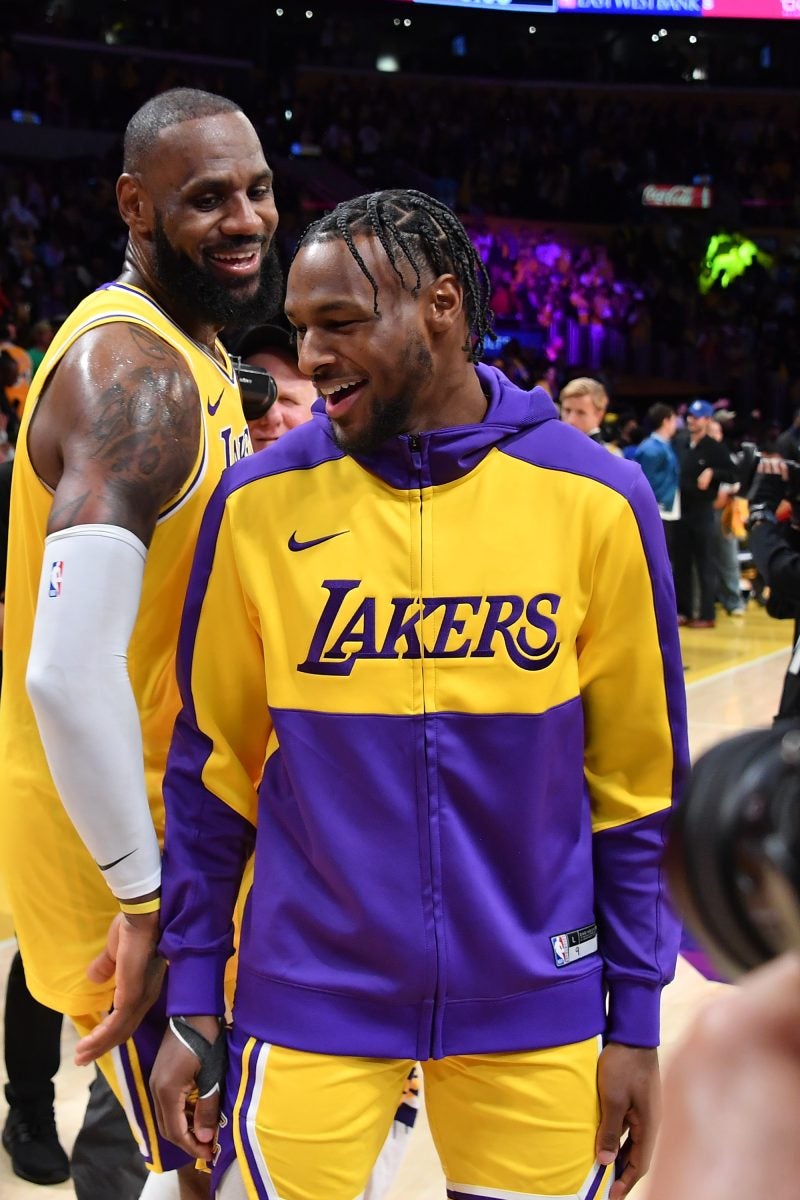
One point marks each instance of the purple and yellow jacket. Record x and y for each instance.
(439, 692)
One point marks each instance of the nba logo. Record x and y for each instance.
(56, 575)
(560, 944)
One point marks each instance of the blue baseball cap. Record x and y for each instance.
(700, 408)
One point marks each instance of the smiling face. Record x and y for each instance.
(202, 213)
(377, 371)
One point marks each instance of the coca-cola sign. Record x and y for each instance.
(676, 195)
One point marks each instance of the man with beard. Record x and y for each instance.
(131, 419)
(425, 724)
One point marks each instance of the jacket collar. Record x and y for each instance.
(444, 455)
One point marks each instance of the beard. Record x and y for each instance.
(388, 418)
(196, 287)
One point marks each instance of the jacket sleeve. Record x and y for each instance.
(213, 772)
(636, 759)
(776, 560)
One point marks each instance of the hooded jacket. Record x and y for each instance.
(438, 692)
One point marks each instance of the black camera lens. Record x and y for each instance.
(733, 854)
(258, 389)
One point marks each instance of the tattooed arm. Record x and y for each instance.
(115, 435)
(117, 430)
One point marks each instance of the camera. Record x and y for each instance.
(258, 389)
(749, 458)
(733, 851)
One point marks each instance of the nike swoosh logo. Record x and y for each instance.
(212, 408)
(295, 545)
(108, 866)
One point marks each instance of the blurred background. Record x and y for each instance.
(627, 167)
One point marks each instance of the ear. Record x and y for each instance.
(445, 308)
(135, 205)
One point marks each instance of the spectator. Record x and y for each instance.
(726, 544)
(584, 403)
(659, 462)
(704, 465)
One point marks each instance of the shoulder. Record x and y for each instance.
(557, 447)
(303, 449)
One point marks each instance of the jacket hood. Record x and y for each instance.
(442, 455)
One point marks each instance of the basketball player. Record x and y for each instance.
(449, 720)
(272, 348)
(129, 422)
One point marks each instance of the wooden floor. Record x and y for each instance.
(733, 677)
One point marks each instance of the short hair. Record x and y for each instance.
(658, 413)
(419, 229)
(585, 386)
(167, 109)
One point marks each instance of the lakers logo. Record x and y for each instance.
(353, 628)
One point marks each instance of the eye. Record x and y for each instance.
(205, 203)
(262, 192)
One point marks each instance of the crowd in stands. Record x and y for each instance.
(620, 297)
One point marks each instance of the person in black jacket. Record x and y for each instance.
(704, 465)
(775, 547)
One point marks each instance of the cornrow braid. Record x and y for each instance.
(416, 227)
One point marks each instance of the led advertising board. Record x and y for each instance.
(750, 9)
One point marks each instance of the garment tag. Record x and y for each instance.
(569, 947)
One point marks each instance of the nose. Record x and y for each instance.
(271, 424)
(313, 353)
(243, 217)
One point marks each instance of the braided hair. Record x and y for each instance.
(414, 227)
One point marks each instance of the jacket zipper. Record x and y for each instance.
(415, 447)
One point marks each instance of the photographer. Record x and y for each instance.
(775, 547)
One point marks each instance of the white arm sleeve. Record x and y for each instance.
(81, 694)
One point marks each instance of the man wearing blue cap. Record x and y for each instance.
(704, 466)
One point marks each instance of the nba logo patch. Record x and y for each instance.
(560, 944)
(56, 576)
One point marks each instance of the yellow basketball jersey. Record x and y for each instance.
(60, 903)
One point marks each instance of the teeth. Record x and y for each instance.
(234, 258)
(340, 387)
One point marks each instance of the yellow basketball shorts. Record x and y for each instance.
(522, 1126)
(127, 1069)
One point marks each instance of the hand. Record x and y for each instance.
(190, 1124)
(732, 1093)
(769, 486)
(629, 1090)
(704, 479)
(130, 953)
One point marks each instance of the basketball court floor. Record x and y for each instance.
(733, 679)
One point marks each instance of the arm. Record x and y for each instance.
(654, 461)
(732, 1094)
(720, 468)
(115, 435)
(776, 560)
(215, 767)
(636, 758)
